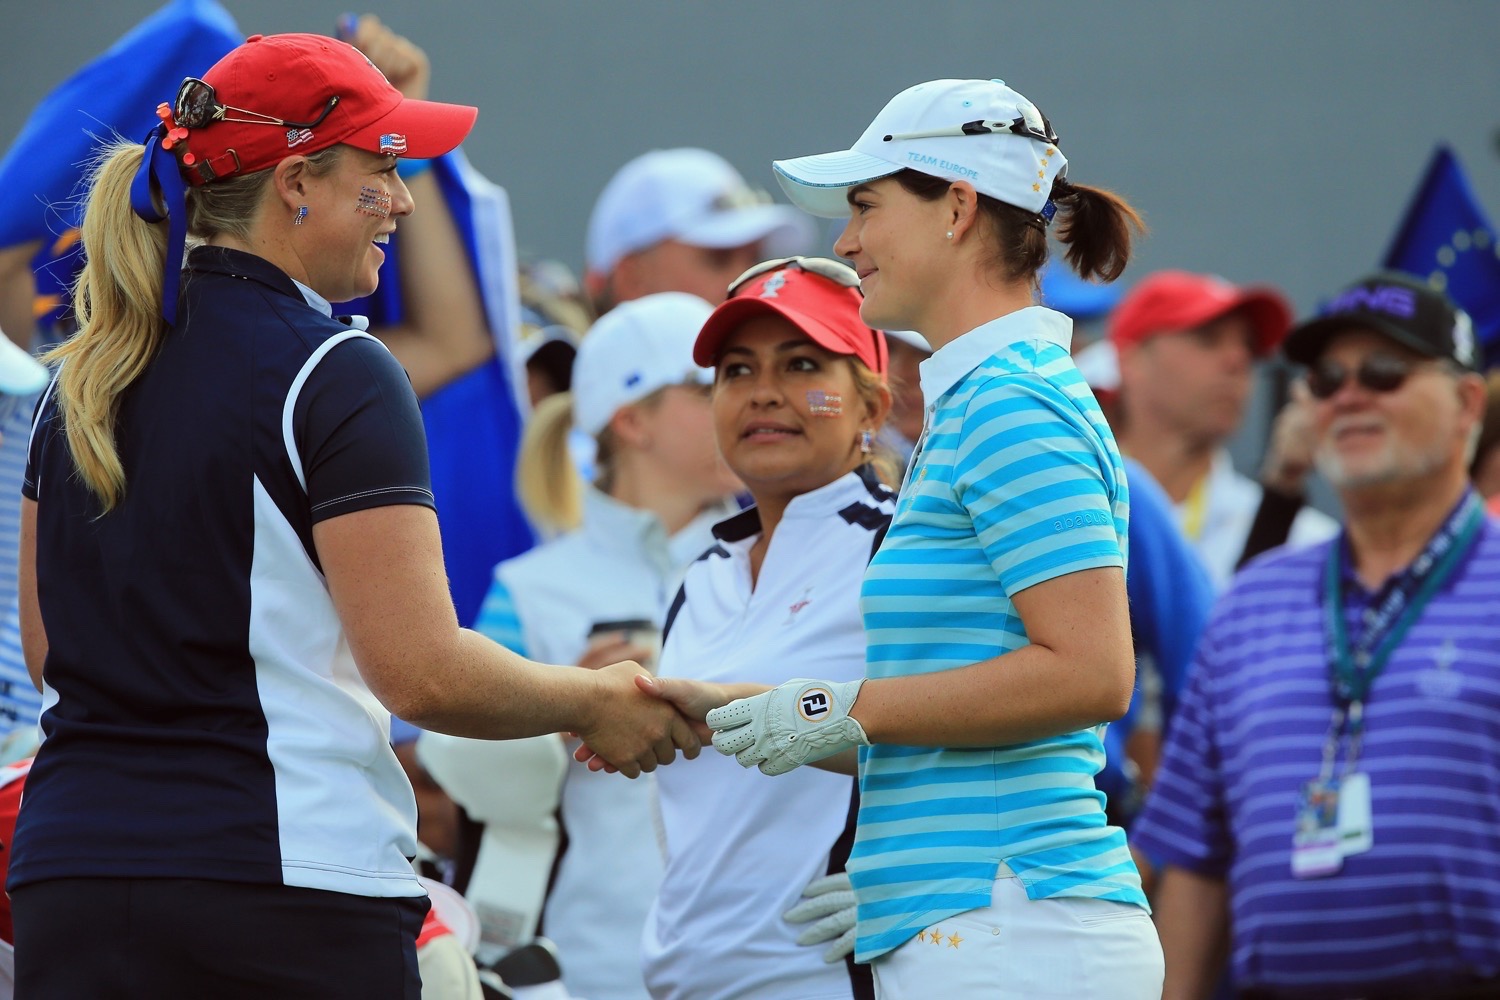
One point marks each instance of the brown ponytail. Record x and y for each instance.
(1095, 226)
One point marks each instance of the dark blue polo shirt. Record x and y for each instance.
(203, 715)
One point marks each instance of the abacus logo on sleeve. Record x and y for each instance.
(1083, 519)
(815, 703)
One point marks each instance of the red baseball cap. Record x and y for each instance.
(1175, 301)
(810, 292)
(313, 92)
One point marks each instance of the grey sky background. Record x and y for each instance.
(1273, 141)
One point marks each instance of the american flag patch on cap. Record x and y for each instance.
(297, 136)
(393, 142)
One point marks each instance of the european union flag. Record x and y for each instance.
(1446, 240)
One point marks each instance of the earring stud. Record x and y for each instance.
(301, 214)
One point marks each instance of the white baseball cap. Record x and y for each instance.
(693, 196)
(978, 131)
(633, 350)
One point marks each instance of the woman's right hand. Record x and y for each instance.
(693, 699)
(633, 732)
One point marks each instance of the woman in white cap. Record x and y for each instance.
(594, 596)
(231, 569)
(995, 610)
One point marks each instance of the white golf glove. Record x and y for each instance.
(790, 725)
(829, 901)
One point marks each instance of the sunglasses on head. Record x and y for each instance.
(197, 106)
(1037, 127)
(823, 267)
(1377, 373)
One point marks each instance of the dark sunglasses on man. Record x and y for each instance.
(1378, 373)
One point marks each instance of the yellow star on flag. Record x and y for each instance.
(937, 936)
(954, 940)
(1036, 187)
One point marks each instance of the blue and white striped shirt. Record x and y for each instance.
(1017, 481)
(1423, 905)
(20, 701)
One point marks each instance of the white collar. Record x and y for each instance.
(315, 300)
(952, 362)
(610, 524)
(830, 498)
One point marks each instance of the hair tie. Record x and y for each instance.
(159, 176)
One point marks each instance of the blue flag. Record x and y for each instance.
(118, 92)
(1446, 240)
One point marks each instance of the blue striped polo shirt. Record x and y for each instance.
(1423, 905)
(1017, 481)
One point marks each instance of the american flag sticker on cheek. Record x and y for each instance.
(393, 143)
(824, 404)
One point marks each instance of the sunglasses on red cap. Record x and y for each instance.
(1378, 373)
(197, 106)
(840, 274)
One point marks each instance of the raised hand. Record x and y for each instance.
(403, 63)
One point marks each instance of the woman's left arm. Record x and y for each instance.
(1077, 671)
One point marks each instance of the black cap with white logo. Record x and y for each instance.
(1402, 308)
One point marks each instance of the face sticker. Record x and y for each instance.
(373, 201)
(824, 404)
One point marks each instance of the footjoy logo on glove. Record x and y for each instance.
(814, 704)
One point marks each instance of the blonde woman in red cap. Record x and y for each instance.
(799, 395)
(231, 569)
(995, 609)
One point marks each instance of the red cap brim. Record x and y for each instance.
(868, 346)
(418, 129)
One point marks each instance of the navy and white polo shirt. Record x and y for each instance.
(203, 716)
(741, 847)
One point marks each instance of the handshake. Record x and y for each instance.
(776, 729)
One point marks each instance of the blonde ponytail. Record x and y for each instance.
(547, 483)
(118, 305)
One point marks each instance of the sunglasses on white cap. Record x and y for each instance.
(1040, 129)
(823, 267)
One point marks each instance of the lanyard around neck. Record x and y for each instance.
(1354, 666)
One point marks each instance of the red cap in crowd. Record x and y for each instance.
(817, 295)
(278, 95)
(1176, 301)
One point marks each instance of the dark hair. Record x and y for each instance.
(1093, 223)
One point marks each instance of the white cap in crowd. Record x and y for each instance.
(20, 373)
(979, 131)
(635, 349)
(693, 196)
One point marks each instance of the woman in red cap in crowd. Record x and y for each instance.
(231, 570)
(799, 394)
(995, 609)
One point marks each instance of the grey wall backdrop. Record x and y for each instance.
(1266, 140)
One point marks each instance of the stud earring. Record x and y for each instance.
(301, 214)
(950, 234)
(866, 442)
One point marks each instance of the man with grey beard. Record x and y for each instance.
(1330, 790)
